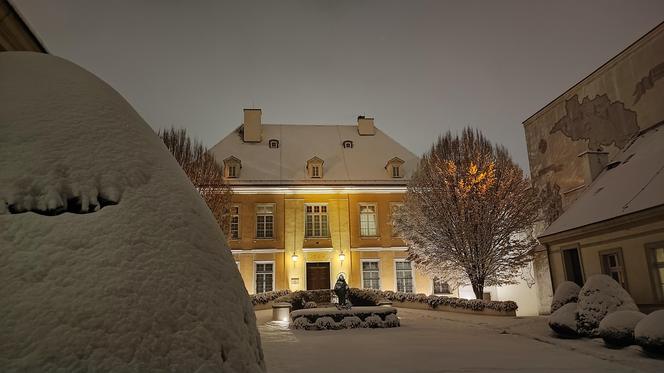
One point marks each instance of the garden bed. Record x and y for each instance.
(356, 317)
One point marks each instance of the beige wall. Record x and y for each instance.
(632, 241)
(344, 226)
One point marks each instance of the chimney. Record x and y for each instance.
(252, 125)
(365, 126)
(592, 164)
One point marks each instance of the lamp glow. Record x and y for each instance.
(342, 257)
(294, 257)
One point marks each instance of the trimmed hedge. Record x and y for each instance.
(264, 298)
(298, 299)
(334, 319)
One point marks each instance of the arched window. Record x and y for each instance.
(347, 144)
(393, 167)
(232, 167)
(315, 168)
(273, 144)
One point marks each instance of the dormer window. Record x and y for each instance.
(393, 167)
(347, 144)
(315, 168)
(273, 144)
(232, 167)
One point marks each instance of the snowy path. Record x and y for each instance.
(442, 342)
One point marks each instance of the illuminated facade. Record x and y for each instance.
(313, 201)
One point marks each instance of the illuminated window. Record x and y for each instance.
(440, 286)
(234, 230)
(370, 274)
(404, 276)
(368, 220)
(315, 223)
(395, 208)
(265, 220)
(264, 277)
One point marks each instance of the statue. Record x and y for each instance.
(341, 290)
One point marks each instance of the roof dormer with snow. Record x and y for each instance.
(353, 154)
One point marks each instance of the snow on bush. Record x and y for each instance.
(351, 322)
(109, 258)
(391, 321)
(649, 333)
(267, 297)
(365, 296)
(310, 305)
(617, 328)
(302, 323)
(374, 321)
(299, 298)
(600, 296)
(563, 321)
(325, 323)
(566, 292)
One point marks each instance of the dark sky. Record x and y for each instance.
(419, 67)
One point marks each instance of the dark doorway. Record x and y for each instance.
(572, 266)
(318, 276)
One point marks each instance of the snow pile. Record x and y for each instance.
(563, 321)
(566, 292)
(600, 296)
(267, 297)
(122, 267)
(617, 328)
(649, 333)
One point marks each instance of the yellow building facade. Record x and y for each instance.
(313, 202)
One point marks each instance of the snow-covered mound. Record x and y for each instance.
(566, 292)
(563, 321)
(617, 328)
(599, 296)
(649, 333)
(140, 277)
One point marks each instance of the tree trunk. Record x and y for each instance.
(478, 289)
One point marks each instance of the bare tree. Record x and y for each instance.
(203, 171)
(468, 212)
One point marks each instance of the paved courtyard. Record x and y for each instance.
(431, 341)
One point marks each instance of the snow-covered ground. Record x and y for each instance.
(430, 341)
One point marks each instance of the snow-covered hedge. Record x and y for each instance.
(267, 297)
(566, 292)
(298, 299)
(333, 319)
(435, 301)
(649, 333)
(599, 296)
(617, 328)
(563, 321)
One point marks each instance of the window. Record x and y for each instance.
(572, 266)
(404, 276)
(264, 276)
(440, 286)
(393, 167)
(234, 230)
(395, 207)
(232, 167)
(348, 144)
(612, 265)
(370, 274)
(273, 144)
(656, 257)
(315, 223)
(265, 220)
(368, 221)
(315, 168)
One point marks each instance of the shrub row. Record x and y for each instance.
(264, 298)
(348, 322)
(298, 299)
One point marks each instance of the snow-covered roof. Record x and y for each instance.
(632, 181)
(363, 164)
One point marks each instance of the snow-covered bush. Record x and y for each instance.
(364, 297)
(144, 281)
(649, 333)
(325, 323)
(299, 298)
(599, 296)
(563, 321)
(267, 297)
(374, 321)
(351, 322)
(566, 292)
(391, 321)
(434, 301)
(310, 305)
(617, 328)
(302, 323)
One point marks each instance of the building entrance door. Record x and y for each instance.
(318, 276)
